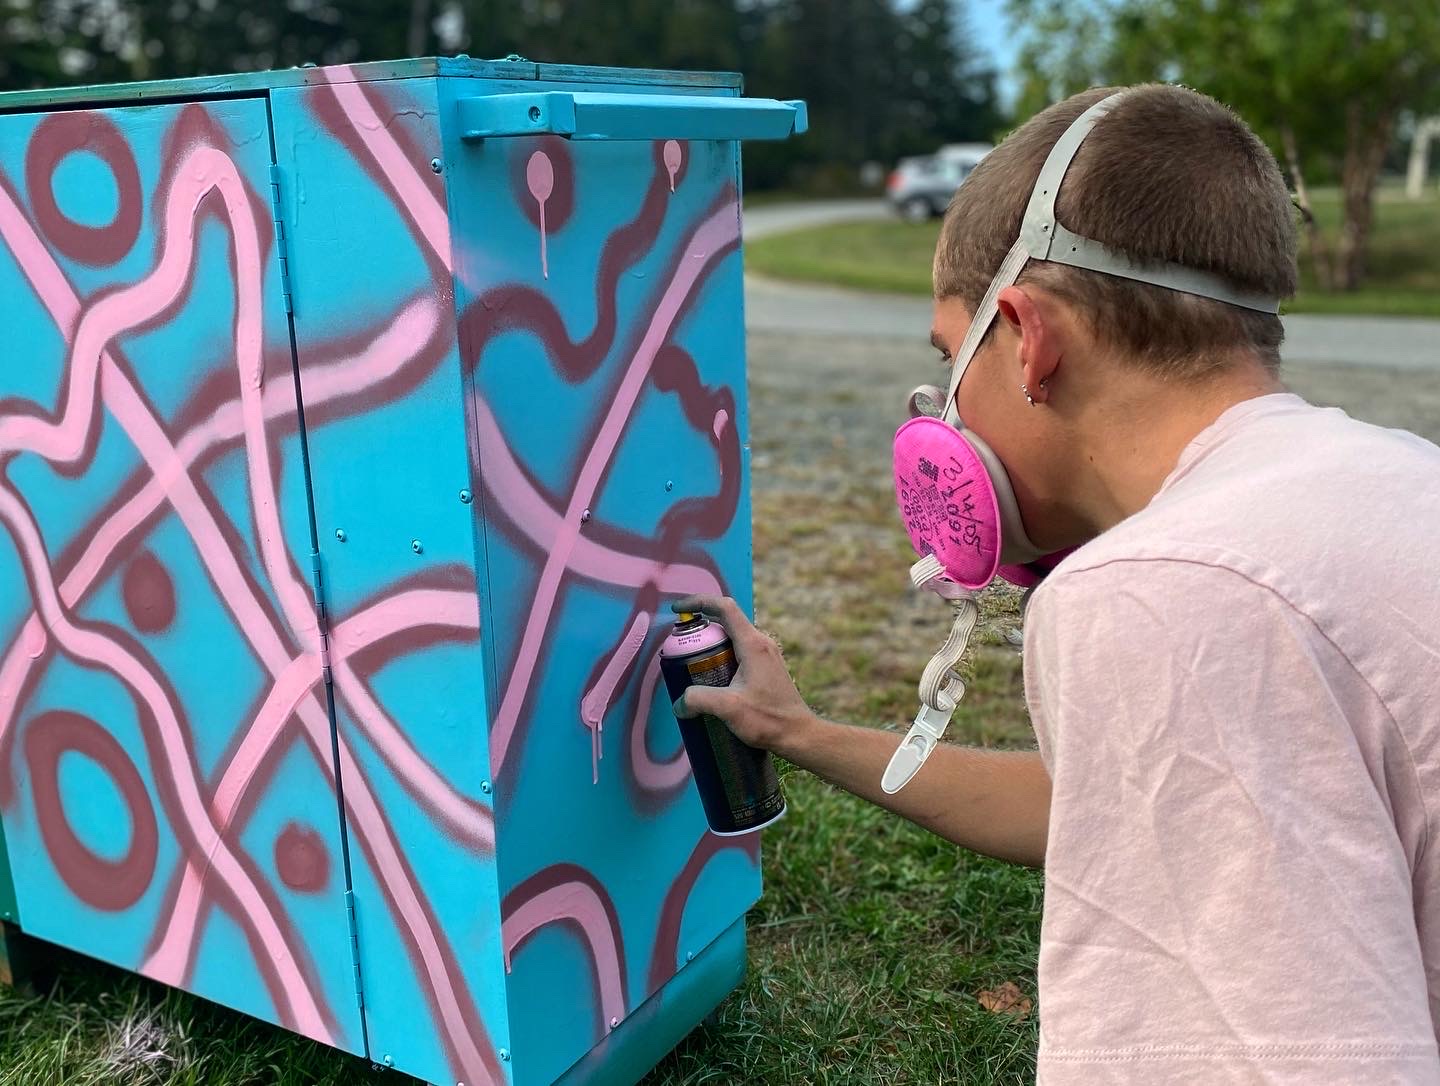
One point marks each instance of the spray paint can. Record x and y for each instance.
(738, 786)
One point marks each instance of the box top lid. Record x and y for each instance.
(462, 66)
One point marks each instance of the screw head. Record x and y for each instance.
(417, 546)
(614, 1022)
(689, 955)
(436, 165)
(669, 485)
(535, 114)
(389, 1062)
(505, 1055)
(485, 787)
(340, 534)
(585, 517)
(466, 497)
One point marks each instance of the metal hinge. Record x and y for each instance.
(322, 621)
(322, 617)
(354, 948)
(282, 250)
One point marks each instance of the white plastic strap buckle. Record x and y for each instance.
(920, 741)
(929, 573)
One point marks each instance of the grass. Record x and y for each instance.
(894, 256)
(98, 1026)
(867, 953)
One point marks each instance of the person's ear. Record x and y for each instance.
(1031, 321)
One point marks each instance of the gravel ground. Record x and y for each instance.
(831, 557)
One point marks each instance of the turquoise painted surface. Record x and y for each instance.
(599, 289)
(629, 1052)
(380, 375)
(163, 808)
(521, 429)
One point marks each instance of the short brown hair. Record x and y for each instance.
(1168, 174)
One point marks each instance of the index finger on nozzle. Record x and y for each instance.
(721, 607)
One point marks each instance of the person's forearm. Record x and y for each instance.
(992, 801)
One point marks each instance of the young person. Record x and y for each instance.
(1234, 680)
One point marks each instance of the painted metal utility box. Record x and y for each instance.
(355, 426)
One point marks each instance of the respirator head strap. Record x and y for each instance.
(921, 455)
(1046, 238)
(1043, 237)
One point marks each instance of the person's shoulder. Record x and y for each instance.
(1282, 501)
(1294, 439)
(1166, 578)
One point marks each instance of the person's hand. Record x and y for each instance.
(761, 704)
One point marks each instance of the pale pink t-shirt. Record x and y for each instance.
(1237, 694)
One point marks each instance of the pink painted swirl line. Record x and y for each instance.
(431, 219)
(384, 357)
(171, 959)
(208, 169)
(414, 610)
(203, 170)
(596, 701)
(715, 234)
(541, 523)
(575, 900)
(96, 649)
(650, 775)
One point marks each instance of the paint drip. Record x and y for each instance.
(596, 702)
(540, 176)
(673, 158)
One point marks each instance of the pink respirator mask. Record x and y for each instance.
(955, 496)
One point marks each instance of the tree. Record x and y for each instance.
(882, 77)
(1322, 81)
(945, 92)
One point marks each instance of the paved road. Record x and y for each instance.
(780, 218)
(1402, 343)
(1394, 342)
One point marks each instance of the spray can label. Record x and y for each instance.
(738, 786)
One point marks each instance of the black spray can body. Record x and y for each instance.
(738, 786)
